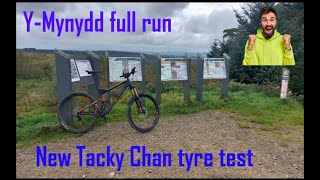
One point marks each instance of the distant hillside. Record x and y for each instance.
(151, 58)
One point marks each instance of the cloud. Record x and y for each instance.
(194, 26)
(39, 7)
(164, 9)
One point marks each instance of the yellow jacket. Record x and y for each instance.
(268, 51)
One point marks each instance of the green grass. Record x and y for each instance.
(34, 97)
(259, 108)
(244, 104)
(40, 128)
(41, 125)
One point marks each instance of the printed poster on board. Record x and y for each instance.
(214, 68)
(173, 69)
(120, 65)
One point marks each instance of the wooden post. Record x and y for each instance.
(187, 82)
(199, 78)
(158, 79)
(143, 82)
(94, 61)
(224, 83)
(64, 84)
(108, 85)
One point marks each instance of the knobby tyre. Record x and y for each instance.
(74, 113)
(146, 118)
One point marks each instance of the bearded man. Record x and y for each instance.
(268, 47)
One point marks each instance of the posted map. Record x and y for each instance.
(173, 69)
(74, 71)
(120, 65)
(214, 68)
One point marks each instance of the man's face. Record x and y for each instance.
(268, 24)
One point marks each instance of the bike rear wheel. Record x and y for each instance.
(74, 113)
(146, 117)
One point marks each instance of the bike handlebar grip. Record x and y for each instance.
(93, 71)
(133, 70)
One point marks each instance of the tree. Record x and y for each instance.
(290, 18)
(215, 50)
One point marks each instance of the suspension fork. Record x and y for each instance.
(135, 93)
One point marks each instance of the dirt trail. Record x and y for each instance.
(279, 153)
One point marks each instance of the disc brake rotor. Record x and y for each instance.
(143, 113)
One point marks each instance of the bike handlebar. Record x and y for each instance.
(93, 71)
(133, 70)
(126, 75)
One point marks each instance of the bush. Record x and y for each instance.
(32, 65)
(269, 89)
(300, 99)
(24, 67)
(47, 70)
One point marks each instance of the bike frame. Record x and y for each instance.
(127, 83)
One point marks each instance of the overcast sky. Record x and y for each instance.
(194, 26)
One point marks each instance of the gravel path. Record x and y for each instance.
(276, 154)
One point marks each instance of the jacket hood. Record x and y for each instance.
(260, 36)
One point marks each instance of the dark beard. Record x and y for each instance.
(268, 36)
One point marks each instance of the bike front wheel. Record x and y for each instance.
(77, 112)
(143, 112)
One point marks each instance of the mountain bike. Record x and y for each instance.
(78, 112)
